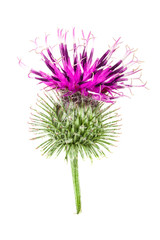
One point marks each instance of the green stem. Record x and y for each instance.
(75, 177)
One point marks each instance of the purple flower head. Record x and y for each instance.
(100, 79)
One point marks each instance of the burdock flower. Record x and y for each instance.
(80, 120)
(100, 79)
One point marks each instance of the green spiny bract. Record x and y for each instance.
(75, 124)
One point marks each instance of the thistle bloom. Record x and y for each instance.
(100, 79)
(77, 121)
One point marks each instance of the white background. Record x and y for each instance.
(120, 194)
